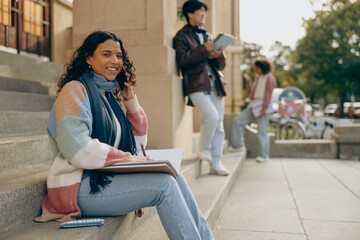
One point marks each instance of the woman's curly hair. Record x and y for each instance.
(264, 64)
(79, 66)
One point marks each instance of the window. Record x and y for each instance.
(5, 12)
(33, 17)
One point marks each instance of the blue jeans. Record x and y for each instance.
(175, 203)
(239, 123)
(212, 132)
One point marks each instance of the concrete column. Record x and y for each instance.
(61, 17)
(146, 28)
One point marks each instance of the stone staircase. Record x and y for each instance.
(26, 87)
(26, 96)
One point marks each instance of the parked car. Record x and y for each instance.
(308, 109)
(316, 112)
(356, 113)
(330, 109)
(353, 111)
(350, 109)
(275, 98)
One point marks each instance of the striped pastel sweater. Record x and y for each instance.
(69, 129)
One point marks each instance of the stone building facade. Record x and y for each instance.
(147, 28)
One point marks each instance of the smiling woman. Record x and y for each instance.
(104, 50)
(88, 131)
(107, 59)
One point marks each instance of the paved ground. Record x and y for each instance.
(293, 199)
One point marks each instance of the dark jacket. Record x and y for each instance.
(190, 58)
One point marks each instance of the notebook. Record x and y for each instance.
(166, 160)
(256, 107)
(223, 40)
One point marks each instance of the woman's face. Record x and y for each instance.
(107, 59)
(258, 70)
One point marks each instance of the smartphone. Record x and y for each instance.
(122, 79)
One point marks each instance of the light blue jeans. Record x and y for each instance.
(175, 203)
(212, 132)
(239, 123)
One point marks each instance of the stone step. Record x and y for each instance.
(46, 81)
(308, 148)
(28, 102)
(19, 85)
(36, 76)
(30, 63)
(210, 192)
(23, 122)
(196, 139)
(124, 227)
(23, 151)
(21, 193)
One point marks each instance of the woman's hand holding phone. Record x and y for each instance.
(126, 88)
(128, 92)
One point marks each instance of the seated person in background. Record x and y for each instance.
(261, 90)
(88, 130)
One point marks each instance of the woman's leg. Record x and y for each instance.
(263, 129)
(200, 221)
(239, 123)
(129, 192)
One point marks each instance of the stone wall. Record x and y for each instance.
(348, 141)
(61, 30)
(284, 148)
(147, 29)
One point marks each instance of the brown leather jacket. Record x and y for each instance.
(190, 58)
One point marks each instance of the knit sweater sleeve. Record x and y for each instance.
(73, 131)
(138, 121)
(269, 87)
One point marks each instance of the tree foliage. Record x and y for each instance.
(328, 57)
(283, 60)
(249, 53)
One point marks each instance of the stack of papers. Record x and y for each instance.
(256, 107)
(166, 160)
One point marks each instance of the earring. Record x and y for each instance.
(89, 66)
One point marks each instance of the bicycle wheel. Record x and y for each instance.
(291, 130)
(328, 132)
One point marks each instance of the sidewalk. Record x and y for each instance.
(293, 199)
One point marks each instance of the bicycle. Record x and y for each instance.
(299, 126)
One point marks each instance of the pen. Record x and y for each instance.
(142, 149)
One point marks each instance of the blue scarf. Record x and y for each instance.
(104, 126)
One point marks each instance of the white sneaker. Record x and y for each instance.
(262, 159)
(239, 149)
(204, 155)
(219, 169)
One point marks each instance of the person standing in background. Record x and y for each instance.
(260, 93)
(200, 64)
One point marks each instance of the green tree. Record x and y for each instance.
(249, 53)
(283, 60)
(328, 57)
